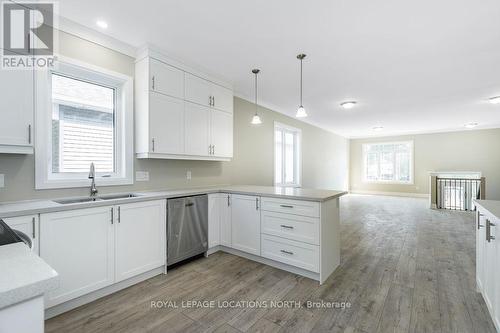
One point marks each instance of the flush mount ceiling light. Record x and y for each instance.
(377, 128)
(301, 111)
(102, 24)
(471, 125)
(494, 100)
(256, 118)
(348, 105)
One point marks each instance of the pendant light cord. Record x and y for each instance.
(256, 93)
(301, 82)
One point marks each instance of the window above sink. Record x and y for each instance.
(85, 115)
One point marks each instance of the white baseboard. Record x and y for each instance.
(395, 194)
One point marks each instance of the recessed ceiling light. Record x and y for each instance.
(348, 104)
(102, 24)
(494, 100)
(377, 128)
(470, 125)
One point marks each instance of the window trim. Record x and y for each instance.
(124, 142)
(389, 182)
(298, 160)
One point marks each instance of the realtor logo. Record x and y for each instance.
(28, 36)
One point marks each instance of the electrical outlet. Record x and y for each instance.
(188, 175)
(2, 181)
(142, 176)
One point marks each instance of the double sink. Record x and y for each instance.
(99, 198)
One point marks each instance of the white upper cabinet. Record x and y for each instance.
(165, 79)
(180, 115)
(197, 132)
(198, 90)
(166, 124)
(222, 98)
(221, 133)
(16, 111)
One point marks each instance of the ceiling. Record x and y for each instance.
(412, 66)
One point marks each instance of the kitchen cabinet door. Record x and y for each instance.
(480, 249)
(245, 218)
(29, 225)
(197, 90)
(221, 133)
(222, 98)
(16, 111)
(225, 220)
(214, 208)
(79, 245)
(166, 124)
(140, 238)
(490, 265)
(196, 120)
(166, 79)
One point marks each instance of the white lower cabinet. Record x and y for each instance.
(27, 224)
(96, 247)
(139, 238)
(225, 220)
(487, 254)
(245, 216)
(79, 245)
(214, 217)
(291, 252)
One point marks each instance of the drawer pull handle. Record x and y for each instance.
(287, 252)
(286, 226)
(286, 206)
(489, 237)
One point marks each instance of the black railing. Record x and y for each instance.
(457, 193)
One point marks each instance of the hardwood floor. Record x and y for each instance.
(404, 268)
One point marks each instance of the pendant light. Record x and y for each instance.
(301, 111)
(256, 118)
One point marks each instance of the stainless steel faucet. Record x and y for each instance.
(93, 188)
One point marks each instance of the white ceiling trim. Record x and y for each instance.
(96, 37)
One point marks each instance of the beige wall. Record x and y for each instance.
(325, 155)
(455, 151)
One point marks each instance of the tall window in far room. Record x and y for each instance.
(287, 155)
(388, 162)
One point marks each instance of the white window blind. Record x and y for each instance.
(390, 162)
(82, 126)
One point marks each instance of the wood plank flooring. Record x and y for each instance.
(404, 268)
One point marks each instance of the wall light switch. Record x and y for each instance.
(2, 181)
(188, 175)
(142, 176)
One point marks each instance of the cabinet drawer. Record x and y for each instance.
(294, 227)
(290, 252)
(297, 207)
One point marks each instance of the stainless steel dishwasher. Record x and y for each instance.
(187, 227)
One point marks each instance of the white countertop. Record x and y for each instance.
(492, 206)
(20, 208)
(23, 275)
